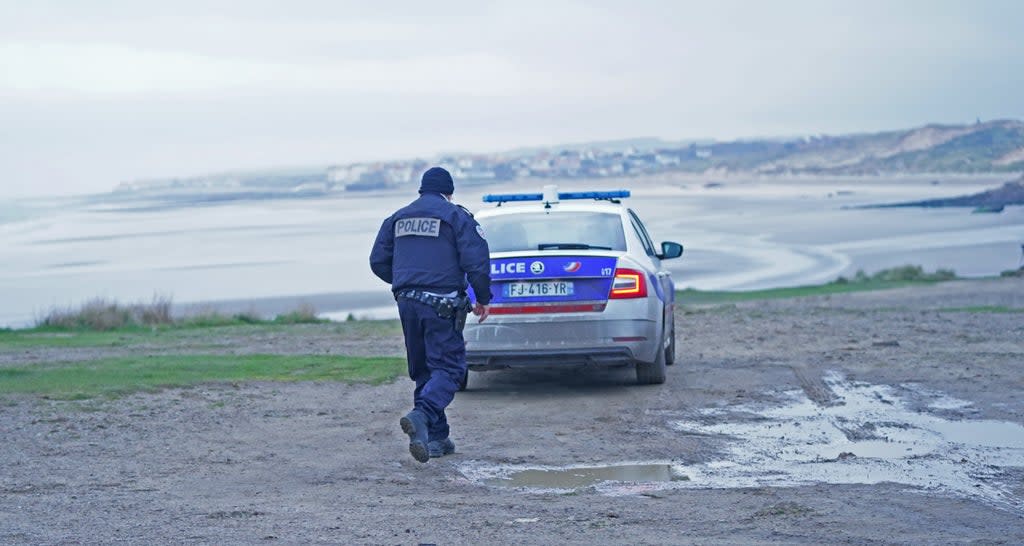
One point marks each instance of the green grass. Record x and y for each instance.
(896, 277)
(191, 333)
(117, 376)
(702, 297)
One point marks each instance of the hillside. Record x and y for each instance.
(981, 147)
(993, 146)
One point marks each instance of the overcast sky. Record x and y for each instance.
(96, 93)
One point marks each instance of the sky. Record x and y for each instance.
(97, 93)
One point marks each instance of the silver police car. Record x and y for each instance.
(576, 280)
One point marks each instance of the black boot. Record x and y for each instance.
(415, 425)
(440, 448)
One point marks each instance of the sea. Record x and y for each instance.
(270, 254)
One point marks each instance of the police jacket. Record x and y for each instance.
(432, 245)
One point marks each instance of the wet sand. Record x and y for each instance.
(746, 233)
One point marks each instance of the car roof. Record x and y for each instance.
(564, 206)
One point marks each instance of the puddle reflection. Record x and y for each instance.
(873, 435)
(576, 478)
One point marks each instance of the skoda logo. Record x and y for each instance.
(537, 268)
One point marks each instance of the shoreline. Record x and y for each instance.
(752, 232)
(374, 305)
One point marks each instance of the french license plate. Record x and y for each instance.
(531, 289)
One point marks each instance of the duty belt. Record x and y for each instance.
(446, 307)
(432, 300)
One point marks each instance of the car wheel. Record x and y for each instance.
(670, 351)
(464, 382)
(652, 373)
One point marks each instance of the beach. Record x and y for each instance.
(269, 256)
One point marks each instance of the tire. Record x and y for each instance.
(670, 352)
(464, 382)
(652, 373)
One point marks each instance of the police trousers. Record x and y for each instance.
(436, 352)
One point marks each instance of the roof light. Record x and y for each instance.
(609, 195)
(509, 197)
(550, 194)
(562, 196)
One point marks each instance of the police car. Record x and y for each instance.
(576, 280)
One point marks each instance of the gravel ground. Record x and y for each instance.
(327, 463)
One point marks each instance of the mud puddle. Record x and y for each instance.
(580, 477)
(865, 434)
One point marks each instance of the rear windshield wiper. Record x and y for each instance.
(570, 246)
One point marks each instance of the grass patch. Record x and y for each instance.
(696, 297)
(885, 279)
(117, 376)
(216, 320)
(305, 314)
(905, 273)
(186, 334)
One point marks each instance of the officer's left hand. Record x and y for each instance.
(481, 311)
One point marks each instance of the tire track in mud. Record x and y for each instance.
(814, 387)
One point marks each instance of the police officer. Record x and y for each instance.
(427, 251)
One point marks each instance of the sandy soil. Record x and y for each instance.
(327, 463)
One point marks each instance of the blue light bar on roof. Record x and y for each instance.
(507, 197)
(562, 196)
(616, 194)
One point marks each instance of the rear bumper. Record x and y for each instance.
(494, 360)
(561, 342)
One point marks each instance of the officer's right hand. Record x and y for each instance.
(481, 311)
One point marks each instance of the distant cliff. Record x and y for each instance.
(1010, 193)
(992, 146)
(981, 147)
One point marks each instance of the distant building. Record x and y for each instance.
(666, 159)
(311, 187)
(480, 174)
(398, 174)
(344, 174)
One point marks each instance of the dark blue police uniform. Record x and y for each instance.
(432, 247)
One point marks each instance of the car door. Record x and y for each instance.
(663, 275)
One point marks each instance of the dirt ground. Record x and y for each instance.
(327, 463)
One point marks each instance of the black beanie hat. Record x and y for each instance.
(437, 180)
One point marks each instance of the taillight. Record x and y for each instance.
(628, 283)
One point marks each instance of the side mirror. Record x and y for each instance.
(670, 250)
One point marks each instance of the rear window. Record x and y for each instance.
(562, 230)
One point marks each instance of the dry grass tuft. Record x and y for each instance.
(103, 315)
(305, 314)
